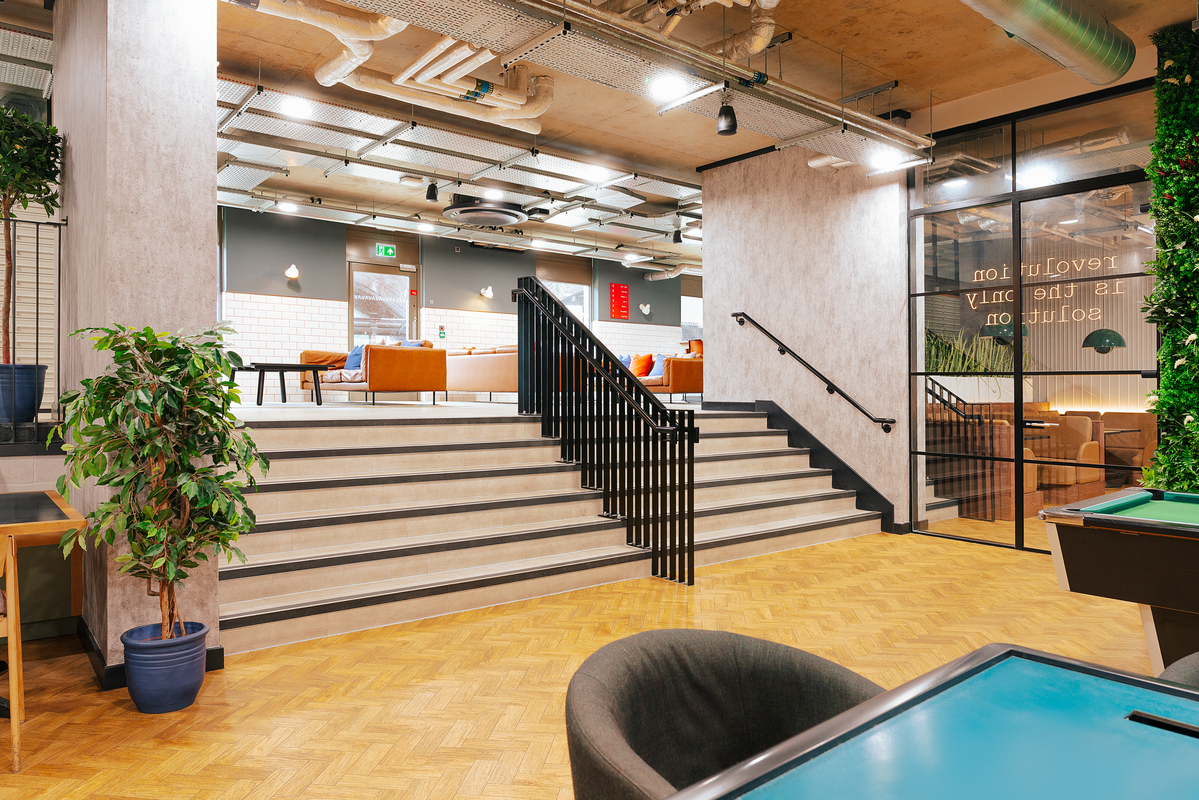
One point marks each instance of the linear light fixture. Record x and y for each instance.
(697, 94)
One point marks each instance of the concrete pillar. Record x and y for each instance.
(134, 97)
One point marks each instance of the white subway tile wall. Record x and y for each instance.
(632, 337)
(276, 329)
(467, 328)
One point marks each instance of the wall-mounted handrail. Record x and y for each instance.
(629, 444)
(831, 387)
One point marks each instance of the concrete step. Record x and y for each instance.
(375, 431)
(303, 462)
(784, 507)
(772, 537)
(760, 484)
(728, 421)
(750, 461)
(298, 616)
(726, 441)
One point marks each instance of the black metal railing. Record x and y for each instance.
(640, 453)
(966, 432)
(832, 388)
(30, 377)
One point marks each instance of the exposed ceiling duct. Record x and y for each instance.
(1067, 32)
(436, 80)
(665, 274)
(753, 39)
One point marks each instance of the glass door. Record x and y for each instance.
(384, 303)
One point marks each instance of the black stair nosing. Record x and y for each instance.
(738, 455)
(427, 590)
(399, 449)
(732, 434)
(945, 502)
(733, 480)
(470, 473)
(786, 530)
(381, 422)
(408, 512)
(400, 550)
(753, 504)
(714, 413)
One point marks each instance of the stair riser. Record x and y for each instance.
(318, 466)
(939, 514)
(281, 438)
(737, 491)
(750, 466)
(759, 547)
(728, 444)
(349, 575)
(730, 424)
(256, 637)
(793, 511)
(284, 541)
(433, 491)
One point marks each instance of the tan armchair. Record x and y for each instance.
(1069, 439)
(1134, 448)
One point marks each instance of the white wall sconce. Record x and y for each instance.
(291, 272)
(487, 293)
(645, 308)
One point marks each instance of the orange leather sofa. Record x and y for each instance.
(385, 368)
(483, 369)
(679, 376)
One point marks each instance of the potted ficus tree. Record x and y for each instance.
(30, 161)
(156, 428)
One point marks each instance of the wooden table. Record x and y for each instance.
(41, 518)
(262, 368)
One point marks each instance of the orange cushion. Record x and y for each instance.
(336, 360)
(507, 348)
(696, 346)
(642, 364)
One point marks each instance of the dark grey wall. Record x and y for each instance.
(664, 297)
(453, 279)
(259, 247)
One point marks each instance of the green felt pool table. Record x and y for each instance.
(1139, 545)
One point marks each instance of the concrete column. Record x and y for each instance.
(134, 97)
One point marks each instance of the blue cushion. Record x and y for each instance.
(354, 359)
(626, 359)
(659, 362)
(413, 343)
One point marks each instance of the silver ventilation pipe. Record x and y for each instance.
(665, 274)
(1067, 32)
(753, 39)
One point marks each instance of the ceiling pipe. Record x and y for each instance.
(665, 274)
(829, 164)
(1069, 33)
(753, 39)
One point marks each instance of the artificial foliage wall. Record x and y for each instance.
(1174, 304)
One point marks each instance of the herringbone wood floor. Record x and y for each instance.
(470, 705)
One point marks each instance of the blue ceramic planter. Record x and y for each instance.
(21, 387)
(164, 674)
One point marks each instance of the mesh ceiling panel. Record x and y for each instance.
(29, 77)
(242, 177)
(329, 114)
(27, 46)
(289, 129)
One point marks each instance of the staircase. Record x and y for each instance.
(371, 521)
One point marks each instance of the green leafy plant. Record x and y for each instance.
(30, 161)
(156, 427)
(1173, 304)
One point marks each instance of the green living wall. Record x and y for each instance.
(1174, 304)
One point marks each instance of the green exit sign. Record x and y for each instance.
(385, 251)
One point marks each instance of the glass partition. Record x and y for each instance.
(974, 164)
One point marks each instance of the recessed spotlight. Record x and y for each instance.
(493, 194)
(539, 243)
(426, 227)
(1068, 222)
(667, 87)
(296, 107)
(286, 206)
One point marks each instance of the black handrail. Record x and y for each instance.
(640, 453)
(832, 388)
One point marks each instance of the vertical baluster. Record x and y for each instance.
(690, 498)
(671, 489)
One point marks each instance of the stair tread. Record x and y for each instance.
(780, 498)
(772, 452)
(847, 515)
(383, 545)
(798, 473)
(351, 450)
(441, 475)
(350, 591)
(334, 513)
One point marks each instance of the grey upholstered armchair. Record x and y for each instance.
(656, 712)
(1185, 670)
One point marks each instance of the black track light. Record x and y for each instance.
(726, 121)
(431, 193)
(677, 238)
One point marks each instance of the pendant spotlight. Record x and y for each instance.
(726, 120)
(431, 192)
(677, 238)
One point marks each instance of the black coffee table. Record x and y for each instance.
(262, 368)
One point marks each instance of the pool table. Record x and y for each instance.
(1139, 545)
(1002, 722)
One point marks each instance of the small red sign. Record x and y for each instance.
(619, 300)
(413, 292)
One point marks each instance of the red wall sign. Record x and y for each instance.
(619, 300)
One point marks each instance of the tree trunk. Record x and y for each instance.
(170, 610)
(9, 269)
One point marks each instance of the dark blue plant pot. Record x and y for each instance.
(164, 674)
(21, 387)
